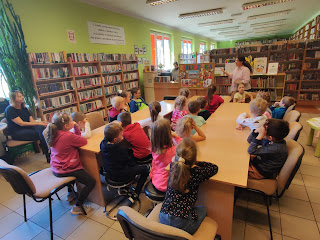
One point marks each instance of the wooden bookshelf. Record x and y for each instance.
(309, 31)
(90, 80)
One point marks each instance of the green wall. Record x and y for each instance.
(45, 24)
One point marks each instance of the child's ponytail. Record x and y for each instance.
(180, 172)
(59, 120)
(155, 109)
(51, 132)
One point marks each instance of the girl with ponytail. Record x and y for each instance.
(186, 174)
(65, 159)
(155, 109)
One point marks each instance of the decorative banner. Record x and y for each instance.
(71, 36)
(106, 34)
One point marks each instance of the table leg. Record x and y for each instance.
(90, 164)
(310, 138)
(317, 151)
(218, 199)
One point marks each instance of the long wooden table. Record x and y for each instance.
(225, 146)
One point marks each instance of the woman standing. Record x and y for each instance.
(21, 125)
(175, 72)
(240, 75)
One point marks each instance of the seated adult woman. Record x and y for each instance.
(21, 125)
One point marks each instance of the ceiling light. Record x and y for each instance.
(234, 34)
(276, 27)
(215, 23)
(201, 13)
(281, 21)
(251, 5)
(236, 14)
(230, 32)
(266, 32)
(158, 2)
(274, 14)
(223, 29)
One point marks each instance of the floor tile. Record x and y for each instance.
(309, 158)
(297, 191)
(253, 233)
(299, 228)
(25, 231)
(310, 181)
(10, 222)
(296, 207)
(112, 234)
(16, 202)
(63, 202)
(240, 210)
(100, 217)
(316, 210)
(117, 226)
(297, 180)
(6, 191)
(4, 211)
(314, 194)
(310, 170)
(42, 217)
(258, 217)
(33, 208)
(45, 235)
(258, 200)
(238, 228)
(288, 238)
(67, 224)
(88, 230)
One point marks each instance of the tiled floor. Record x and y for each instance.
(295, 216)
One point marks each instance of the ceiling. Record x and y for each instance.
(167, 14)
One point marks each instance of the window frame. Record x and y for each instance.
(202, 44)
(164, 37)
(188, 47)
(212, 46)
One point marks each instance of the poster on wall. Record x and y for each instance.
(106, 34)
(136, 49)
(193, 74)
(260, 65)
(71, 36)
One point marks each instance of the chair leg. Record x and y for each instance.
(267, 198)
(81, 206)
(24, 208)
(58, 196)
(50, 216)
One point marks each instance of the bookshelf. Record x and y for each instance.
(188, 58)
(309, 31)
(80, 81)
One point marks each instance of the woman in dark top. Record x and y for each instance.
(21, 125)
(186, 174)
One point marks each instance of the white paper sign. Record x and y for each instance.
(106, 34)
(273, 68)
(71, 36)
(230, 67)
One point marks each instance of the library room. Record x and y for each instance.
(160, 119)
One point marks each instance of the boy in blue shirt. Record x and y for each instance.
(279, 108)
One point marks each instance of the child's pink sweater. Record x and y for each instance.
(64, 153)
(158, 174)
(176, 115)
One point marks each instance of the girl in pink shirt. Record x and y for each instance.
(163, 151)
(65, 160)
(178, 111)
(214, 101)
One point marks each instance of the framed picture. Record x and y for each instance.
(139, 60)
(140, 51)
(136, 49)
(144, 49)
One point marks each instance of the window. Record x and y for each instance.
(212, 46)
(185, 46)
(160, 45)
(4, 91)
(202, 47)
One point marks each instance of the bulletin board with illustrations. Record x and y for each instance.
(196, 75)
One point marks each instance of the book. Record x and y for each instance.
(260, 65)
(273, 68)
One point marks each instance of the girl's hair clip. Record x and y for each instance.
(181, 160)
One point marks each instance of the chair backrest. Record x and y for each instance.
(295, 129)
(289, 109)
(18, 179)
(291, 166)
(136, 226)
(169, 97)
(95, 119)
(253, 94)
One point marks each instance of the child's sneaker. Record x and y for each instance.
(70, 197)
(76, 210)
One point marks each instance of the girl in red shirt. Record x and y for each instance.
(214, 101)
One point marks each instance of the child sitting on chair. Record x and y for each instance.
(203, 104)
(83, 124)
(214, 100)
(137, 102)
(179, 110)
(279, 108)
(257, 108)
(266, 96)
(185, 127)
(194, 109)
(134, 134)
(241, 95)
(269, 149)
(186, 174)
(117, 107)
(118, 165)
(126, 96)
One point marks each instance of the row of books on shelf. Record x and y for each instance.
(111, 79)
(309, 96)
(162, 79)
(85, 70)
(112, 89)
(95, 57)
(312, 65)
(129, 57)
(265, 41)
(289, 67)
(292, 76)
(50, 73)
(57, 101)
(85, 95)
(111, 68)
(253, 49)
(310, 86)
(131, 85)
(130, 76)
(223, 90)
(288, 46)
(279, 56)
(313, 44)
(48, 116)
(130, 67)
(291, 86)
(46, 57)
(88, 82)
(54, 87)
(313, 54)
(263, 82)
(221, 60)
(108, 100)
(90, 106)
(222, 80)
(223, 51)
(311, 76)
